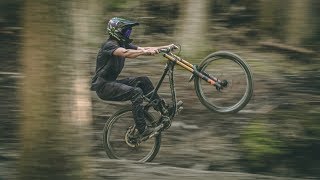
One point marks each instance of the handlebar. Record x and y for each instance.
(168, 49)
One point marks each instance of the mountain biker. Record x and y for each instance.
(109, 63)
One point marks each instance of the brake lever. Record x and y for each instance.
(168, 49)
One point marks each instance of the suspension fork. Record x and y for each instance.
(172, 88)
(191, 68)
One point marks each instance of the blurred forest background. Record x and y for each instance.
(51, 122)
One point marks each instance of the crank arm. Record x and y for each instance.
(157, 130)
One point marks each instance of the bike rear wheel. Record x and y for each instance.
(230, 67)
(115, 142)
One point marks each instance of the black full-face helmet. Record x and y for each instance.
(120, 29)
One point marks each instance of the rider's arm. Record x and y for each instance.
(132, 53)
(155, 48)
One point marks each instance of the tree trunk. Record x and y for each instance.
(271, 16)
(53, 146)
(298, 27)
(192, 28)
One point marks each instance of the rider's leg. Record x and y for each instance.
(137, 109)
(146, 86)
(142, 82)
(114, 91)
(138, 112)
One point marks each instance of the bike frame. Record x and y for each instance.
(169, 68)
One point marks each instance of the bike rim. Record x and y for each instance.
(238, 89)
(116, 140)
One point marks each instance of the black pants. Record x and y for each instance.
(133, 89)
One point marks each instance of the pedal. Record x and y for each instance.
(179, 106)
(179, 110)
(179, 103)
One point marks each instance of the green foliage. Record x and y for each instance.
(114, 5)
(259, 143)
(286, 140)
(300, 120)
(311, 126)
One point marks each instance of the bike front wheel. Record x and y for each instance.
(115, 138)
(235, 71)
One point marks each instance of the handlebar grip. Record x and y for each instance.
(168, 49)
(164, 50)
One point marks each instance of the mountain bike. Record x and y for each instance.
(223, 83)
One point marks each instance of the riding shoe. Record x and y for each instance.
(167, 120)
(179, 107)
(161, 106)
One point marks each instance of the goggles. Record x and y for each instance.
(127, 32)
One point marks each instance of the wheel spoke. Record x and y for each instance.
(229, 67)
(115, 139)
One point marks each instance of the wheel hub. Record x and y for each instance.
(130, 138)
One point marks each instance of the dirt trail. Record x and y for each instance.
(126, 170)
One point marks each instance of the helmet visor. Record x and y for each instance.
(127, 32)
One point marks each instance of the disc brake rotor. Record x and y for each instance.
(130, 139)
